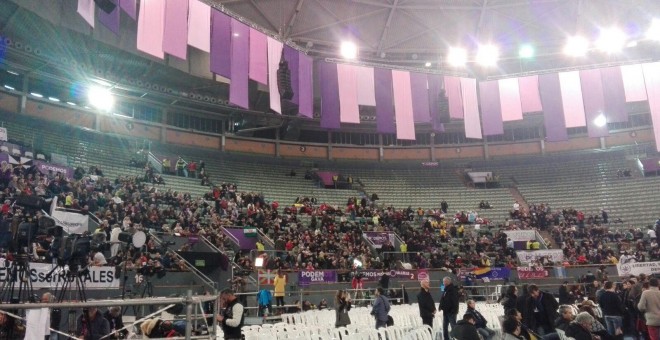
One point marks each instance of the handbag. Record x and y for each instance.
(390, 321)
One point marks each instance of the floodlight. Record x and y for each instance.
(100, 98)
(428, 64)
(36, 94)
(53, 99)
(348, 50)
(526, 51)
(600, 121)
(576, 46)
(653, 32)
(71, 103)
(457, 57)
(488, 55)
(611, 40)
(259, 262)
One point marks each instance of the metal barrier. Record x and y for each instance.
(205, 279)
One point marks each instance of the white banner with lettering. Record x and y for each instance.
(73, 223)
(527, 256)
(521, 235)
(97, 278)
(648, 268)
(3, 134)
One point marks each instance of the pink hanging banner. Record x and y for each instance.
(615, 96)
(274, 56)
(349, 112)
(633, 83)
(238, 90)
(453, 91)
(199, 25)
(86, 10)
(150, 27)
(594, 103)
(472, 122)
(510, 99)
(366, 89)
(258, 57)
(571, 96)
(403, 106)
(530, 98)
(652, 82)
(129, 7)
(175, 33)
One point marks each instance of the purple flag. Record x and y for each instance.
(175, 34)
(129, 7)
(594, 103)
(491, 110)
(329, 83)
(420, 97)
(306, 277)
(435, 89)
(306, 97)
(240, 50)
(111, 20)
(220, 43)
(553, 111)
(614, 94)
(291, 56)
(384, 101)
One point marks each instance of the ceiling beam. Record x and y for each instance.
(480, 23)
(292, 19)
(418, 33)
(337, 22)
(383, 34)
(340, 21)
(273, 26)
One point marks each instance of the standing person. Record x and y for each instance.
(480, 322)
(649, 304)
(342, 306)
(541, 311)
(115, 320)
(231, 317)
(508, 300)
(280, 285)
(380, 309)
(426, 304)
(564, 296)
(180, 167)
(449, 306)
(612, 307)
(92, 325)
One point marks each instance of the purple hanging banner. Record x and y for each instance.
(329, 83)
(594, 103)
(240, 50)
(553, 111)
(420, 96)
(384, 101)
(435, 82)
(111, 20)
(129, 7)
(175, 34)
(291, 56)
(491, 110)
(306, 88)
(220, 43)
(614, 94)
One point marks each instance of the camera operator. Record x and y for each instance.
(114, 317)
(91, 325)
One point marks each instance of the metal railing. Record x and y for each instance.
(205, 279)
(267, 241)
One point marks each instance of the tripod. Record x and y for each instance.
(17, 271)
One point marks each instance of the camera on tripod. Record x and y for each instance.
(150, 271)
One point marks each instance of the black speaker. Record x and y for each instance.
(443, 105)
(106, 5)
(33, 202)
(284, 80)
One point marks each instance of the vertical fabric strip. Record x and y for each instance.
(175, 35)
(220, 43)
(530, 99)
(349, 112)
(510, 99)
(384, 101)
(291, 56)
(453, 90)
(594, 102)
(614, 94)
(403, 105)
(435, 90)
(366, 88)
(86, 11)
(258, 57)
(420, 97)
(129, 7)
(274, 57)
(652, 83)
(553, 112)
(633, 83)
(238, 90)
(571, 98)
(199, 25)
(472, 123)
(111, 20)
(491, 111)
(329, 95)
(306, 81)
(150, 27)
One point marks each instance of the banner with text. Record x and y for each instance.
(532, 273)
(73, 223)
(45, 167)
(379, 238)
(648, 268)
(97, 278)
(375, 274)
(307, 277)
(527, 256)
(489, 273)
(521, 235)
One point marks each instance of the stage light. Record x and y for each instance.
(259, 262)
(611, 40)
(12, 72)
(9, 87)
(71, 103)
(349, 50)
(632, 43)
(653, 32)
(100, 98)
(600, 121)
(53, 99)
(457, 57)
(576, 46)
(38, 95)
(526, 51)
(428, 64)
(488, 55)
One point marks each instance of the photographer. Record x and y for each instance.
(91, 325)
(114, 317)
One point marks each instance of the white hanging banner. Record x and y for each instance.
(97, 278)
(648, 268)
(73, 223)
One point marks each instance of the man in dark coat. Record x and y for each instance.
(564, 296)
(540, 311)
(426, 304)
(449, 306)
(465, 329)
(580, 329)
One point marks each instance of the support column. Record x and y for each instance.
(97, 122)
(22, 101)
(432, 146)
(380, 147)
(486, 155)
(603, 145)
(277, 143)
(543, 146)
(163, 127)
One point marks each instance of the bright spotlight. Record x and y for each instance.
(9, 87)
(349, 50)
(488, 55)
(653, 32)
(53, 99)
(526, 52)
(38, 95)
(457, 57)
(600, 121)
(71, 103)
(428, 64)
(100, 98)
(611, 40)
(259, 262)
(576, 46)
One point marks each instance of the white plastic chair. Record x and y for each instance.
(16, 152)
(29, 154)
(4, 148)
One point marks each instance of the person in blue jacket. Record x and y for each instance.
(265, 301)
(380, 309)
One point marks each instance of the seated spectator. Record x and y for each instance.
(465, 329)
(580, 329)
(565, 317)
(511, 330)
(480, 322)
